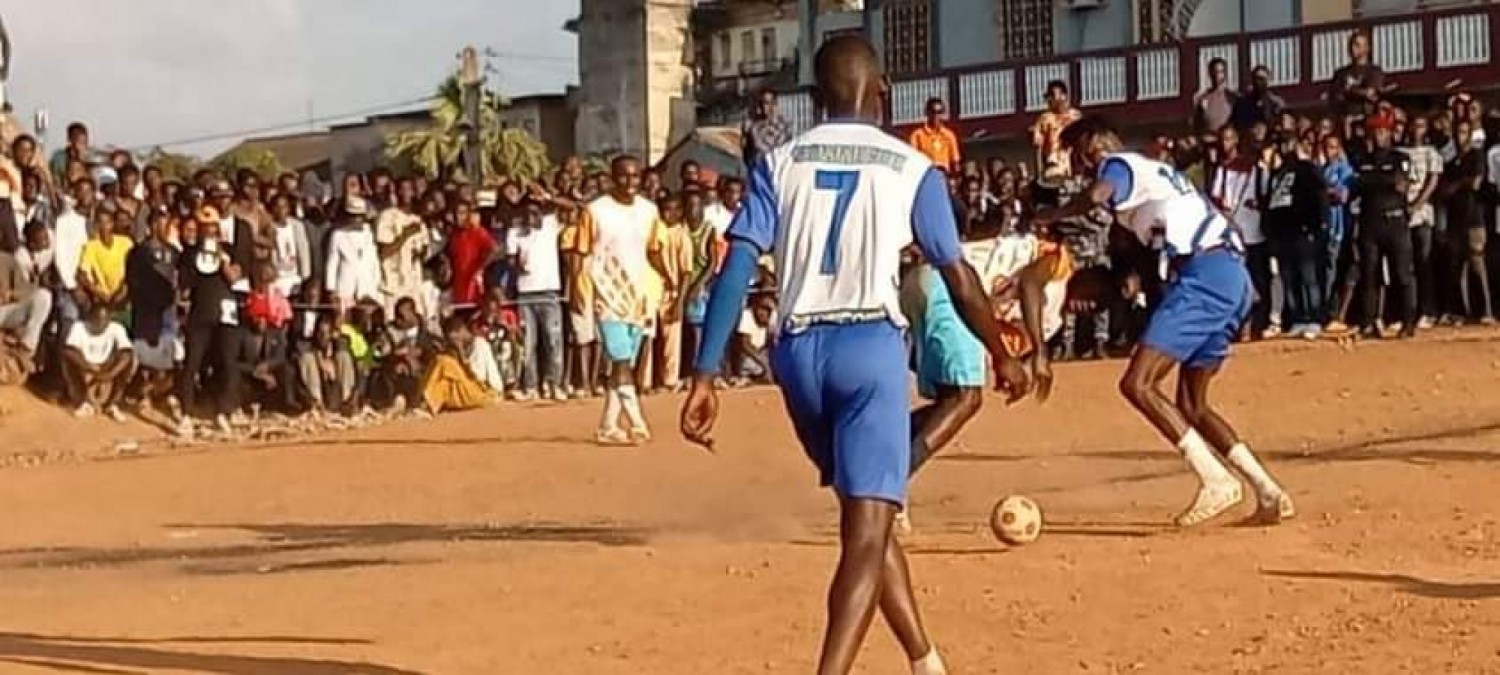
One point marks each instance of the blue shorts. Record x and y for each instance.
(945, 352)
(845, 390)
(1202, 311)
(622, 341)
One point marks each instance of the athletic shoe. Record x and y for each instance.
(1271, 333)
(114, 413)
(523, 396)
(1274, 510)
(1486, 320)
(1312, 332)
(1211, 501)
(932, 664)
(1426, 322)
(84, 411)
(642, 435)
(559, 395)
(611, 437)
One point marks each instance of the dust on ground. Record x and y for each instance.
(502, 541)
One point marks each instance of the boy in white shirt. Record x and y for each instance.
(98, 364)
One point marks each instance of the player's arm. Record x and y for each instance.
(1107, 190)
(936, 234)
(750, 234)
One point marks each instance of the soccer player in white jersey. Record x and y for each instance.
(1201, 311)
(836, 206)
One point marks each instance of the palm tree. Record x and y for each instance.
(438, 149)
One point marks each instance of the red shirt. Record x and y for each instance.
(468, 250)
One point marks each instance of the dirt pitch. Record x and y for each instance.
(502, 542)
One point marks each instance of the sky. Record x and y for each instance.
(142, 73)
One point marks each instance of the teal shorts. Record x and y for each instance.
(622, 341)
(945, 352)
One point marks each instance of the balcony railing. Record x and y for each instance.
(1422, 53)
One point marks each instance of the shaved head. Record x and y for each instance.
(848, 79)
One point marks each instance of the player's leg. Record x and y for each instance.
(871, 464)
(621, 342)
(1194, 325)
(1273, 505)
(936, 424)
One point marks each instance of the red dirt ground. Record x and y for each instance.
(502, 542)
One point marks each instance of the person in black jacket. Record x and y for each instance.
(1383, 233)
(1299, 237)
(212, 330)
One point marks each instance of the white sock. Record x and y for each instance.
(932, 664)
(611, 421)
(1201, 459)
(632, 405)
(1241, 458)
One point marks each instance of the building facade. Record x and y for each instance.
(635, 76)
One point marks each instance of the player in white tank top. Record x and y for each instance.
(1195, 322)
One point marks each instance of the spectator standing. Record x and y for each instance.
(1384, 238)
(1339, 176)
(293, 257)
(1238, 185)
(353, 273)
(1259, 105)
(534, 254)
(1466, 224)
(1046, 136)
(1422, 183)
(583, 330)
(707, 250)
(236, 235)
(731, 191)
(71, 236)
(764, 131)
(470, 251)
(1295, 222)
(151, 279)
(76, 150)
(936, 139)
(101, 268)
(97, 364)
(1357, 86)
(617, 235)
(1213, 107)
(676, 259)
(402, 240)
(211, 333)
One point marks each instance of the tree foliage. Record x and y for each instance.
(174, 166)
(438, 150)
(263, 162)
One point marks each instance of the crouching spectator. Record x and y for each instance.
(451, 384)
(24, 307)
(326, 369)
(750, 343)
(400, 374)
(98, 364)
(262, 357)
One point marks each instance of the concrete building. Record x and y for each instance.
(635, 76)
(549, 118)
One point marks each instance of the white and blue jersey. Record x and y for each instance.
(1203, 308)
(836, 206)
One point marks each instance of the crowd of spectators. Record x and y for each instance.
(1371, 213)
(211, 295)
(215, 296)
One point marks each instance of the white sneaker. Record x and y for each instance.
(611, 437)
(1426, 322)
(1212, 501)
(641, 435)
(932, 664)
(115, 413)
(84, 411)
(523, 396)
(559, 394)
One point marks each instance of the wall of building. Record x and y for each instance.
(612, 77)
(1325, 11)
(1225, 17)
(1107, 27)
(670, 112)
(967, 32)
(727, 63)
(549, 119)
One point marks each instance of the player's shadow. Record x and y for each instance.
(136, 656)
(304, 541)
(1402, 582)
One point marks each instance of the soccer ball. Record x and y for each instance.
(1016, 520)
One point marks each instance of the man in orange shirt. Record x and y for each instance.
(936, 140)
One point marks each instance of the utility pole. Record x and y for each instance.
(471, 83)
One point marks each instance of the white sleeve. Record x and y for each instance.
(1494, 166)
(118, 335)
(77, 336)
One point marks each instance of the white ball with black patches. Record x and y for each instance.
(1016, 520)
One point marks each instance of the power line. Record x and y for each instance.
(304, 122)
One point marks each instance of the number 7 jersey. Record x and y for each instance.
(837, 205)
